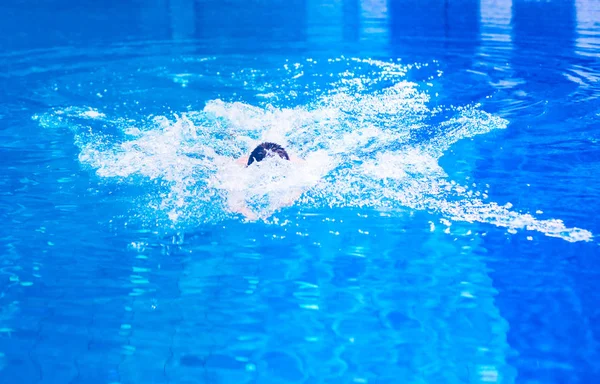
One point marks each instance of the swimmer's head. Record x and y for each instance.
(267, 150)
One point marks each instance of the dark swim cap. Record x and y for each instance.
(267, 149)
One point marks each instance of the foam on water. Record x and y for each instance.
(370, 139)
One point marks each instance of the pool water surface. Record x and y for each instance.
(446, 226)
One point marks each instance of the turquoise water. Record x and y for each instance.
(446, 228)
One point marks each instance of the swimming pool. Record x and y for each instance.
(447, 232)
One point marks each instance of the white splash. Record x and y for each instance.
(369, 140)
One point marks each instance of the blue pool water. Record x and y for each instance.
(448, 228)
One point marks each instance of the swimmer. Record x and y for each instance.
(263, 151)
(266, 150)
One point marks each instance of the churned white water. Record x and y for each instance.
(371, 140)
